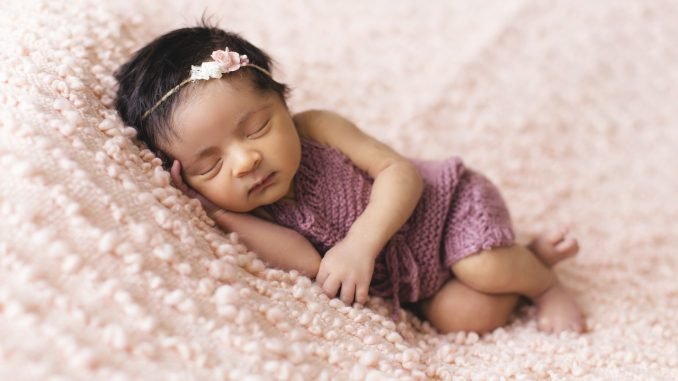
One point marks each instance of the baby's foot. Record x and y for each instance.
(557, 311)
(554, 246)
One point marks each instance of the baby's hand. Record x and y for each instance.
(178, 181)
(348, 266)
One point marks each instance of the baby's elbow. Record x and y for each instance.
(311, 258)
(414, 176)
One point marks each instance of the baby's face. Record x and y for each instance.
(230, 138)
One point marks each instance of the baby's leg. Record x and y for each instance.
(516, 269)
(457, 307)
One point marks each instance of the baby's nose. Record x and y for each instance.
(246, 160)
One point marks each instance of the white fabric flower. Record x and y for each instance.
(225, 61)
(206, 71)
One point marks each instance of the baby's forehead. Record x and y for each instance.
(216, 107)
(215, 99)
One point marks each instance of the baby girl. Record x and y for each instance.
(312, 192)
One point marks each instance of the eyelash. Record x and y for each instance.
(260, 129)
(250, 135)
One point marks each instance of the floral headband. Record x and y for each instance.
(224, 62)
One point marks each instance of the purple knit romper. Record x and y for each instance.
(460, 213)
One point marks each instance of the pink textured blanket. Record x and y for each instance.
(108, 273)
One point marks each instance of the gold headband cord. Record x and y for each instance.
(177, 87)
(224, 62)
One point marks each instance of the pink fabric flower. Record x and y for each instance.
(229, 61)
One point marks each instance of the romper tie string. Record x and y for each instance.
(401, 266)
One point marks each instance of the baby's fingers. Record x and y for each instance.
(175, 175)
(361, 293)
(178, 181)
(347, 292)
(323, 273)
(331, 286)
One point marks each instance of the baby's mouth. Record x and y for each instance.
(261, 183)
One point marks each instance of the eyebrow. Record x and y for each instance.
(208, 150)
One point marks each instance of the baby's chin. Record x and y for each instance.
(248, 208)
(240, 209)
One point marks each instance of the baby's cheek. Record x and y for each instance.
(213, 194)
(192, 182)
(226, 199)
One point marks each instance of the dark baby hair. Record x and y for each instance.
(165, 62)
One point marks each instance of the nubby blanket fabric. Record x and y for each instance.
(107, 272)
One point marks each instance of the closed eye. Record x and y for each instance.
(211, 168)
(260, 131)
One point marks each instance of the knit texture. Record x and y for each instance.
(107, 272)
(460, 213)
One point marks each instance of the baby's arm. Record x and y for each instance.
(276, 245)
(395, 193)
(397, 184)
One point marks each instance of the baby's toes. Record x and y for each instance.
(567, 247)
(545, 325)
(577, 327)
(556, 235)
(564, 324)
(577, 324)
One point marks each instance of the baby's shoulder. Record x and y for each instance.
(308, 119)
(305, 122)
(320, 125)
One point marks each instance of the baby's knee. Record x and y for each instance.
(474, 317)
(477, 324)
(485, 271)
